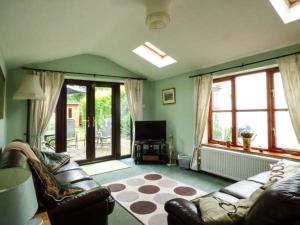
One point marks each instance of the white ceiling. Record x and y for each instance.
(201, 32)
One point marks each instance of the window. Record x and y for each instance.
(288, 10)
(69, 112)
(154, 55)
(255, 102)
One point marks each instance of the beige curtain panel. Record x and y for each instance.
(134, 93)
(290, 73)
(202, 90)
(41, 110)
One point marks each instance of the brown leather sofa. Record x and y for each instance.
(90, 207)
(278, 205)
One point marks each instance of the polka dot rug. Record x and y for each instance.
(144, 196)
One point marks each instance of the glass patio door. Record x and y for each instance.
(92, 121)
(103, 121)
(76, 121)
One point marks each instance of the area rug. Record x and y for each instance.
(104, 167)
(144, 196)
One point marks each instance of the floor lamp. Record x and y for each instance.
(30, 89)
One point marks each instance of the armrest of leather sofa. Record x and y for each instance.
(183, 212)
(82, 200)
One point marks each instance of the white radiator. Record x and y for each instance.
(233, 165)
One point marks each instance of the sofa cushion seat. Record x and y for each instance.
(225, 197)
(261, 178)
(72, 176)
(86, 184)
(71, 165)
(242, 189)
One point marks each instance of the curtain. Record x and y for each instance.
(134, 93)
(202, 90)
(290, 73)
(41, 110)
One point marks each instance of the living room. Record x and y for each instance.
(154, 112)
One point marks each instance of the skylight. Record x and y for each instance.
(154, 55)
(288, 10)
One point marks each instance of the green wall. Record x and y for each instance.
(17, 109)
(180, 116)
(3, 121)
(86, 63)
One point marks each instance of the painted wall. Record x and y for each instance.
(86, 63)
(3, 121)
(17, 109)
(180, 116)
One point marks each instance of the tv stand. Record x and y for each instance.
(150, 151)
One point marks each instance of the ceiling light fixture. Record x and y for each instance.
(288, 10)
(157, 14)
(154, 55)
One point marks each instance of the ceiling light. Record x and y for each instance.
(288, 10)
(154, 55)
(157, 16)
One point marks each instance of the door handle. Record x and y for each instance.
(88, 122)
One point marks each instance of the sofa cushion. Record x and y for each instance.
(215, 211)
(71, 165)
(71, 176)
(261, 178)
(225, 197)
(86, 184)
(241, 189)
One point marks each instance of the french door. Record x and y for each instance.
(92, 121)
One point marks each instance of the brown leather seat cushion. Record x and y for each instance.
(241, 189)
(225, 197)
(261, 178)
(71, 165)
(86, 184)
(72, 176)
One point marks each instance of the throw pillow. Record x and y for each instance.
(215, 211)
(53, 161)
(283, 169)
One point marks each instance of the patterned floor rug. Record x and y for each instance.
(144, 196)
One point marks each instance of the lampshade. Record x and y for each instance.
(157, 16)
(30, 88)
(18, 202)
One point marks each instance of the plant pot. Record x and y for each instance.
(247, 144)
(228, 143)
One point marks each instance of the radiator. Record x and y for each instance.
(233, 165)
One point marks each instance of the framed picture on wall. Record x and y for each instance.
(2, 93)
(169, 96)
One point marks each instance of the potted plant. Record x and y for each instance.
(247, 139)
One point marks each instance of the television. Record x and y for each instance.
(150, 130)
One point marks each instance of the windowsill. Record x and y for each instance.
(256, 152)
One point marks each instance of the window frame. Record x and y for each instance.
(270, 109)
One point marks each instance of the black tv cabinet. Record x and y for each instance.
(150, 151)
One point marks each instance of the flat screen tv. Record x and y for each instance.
(150, 130)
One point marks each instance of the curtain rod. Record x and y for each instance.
(242, 65)
(78, 73)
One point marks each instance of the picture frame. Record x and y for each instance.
(168, 96)
(2, 93)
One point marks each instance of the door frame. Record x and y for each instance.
(61, 122)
